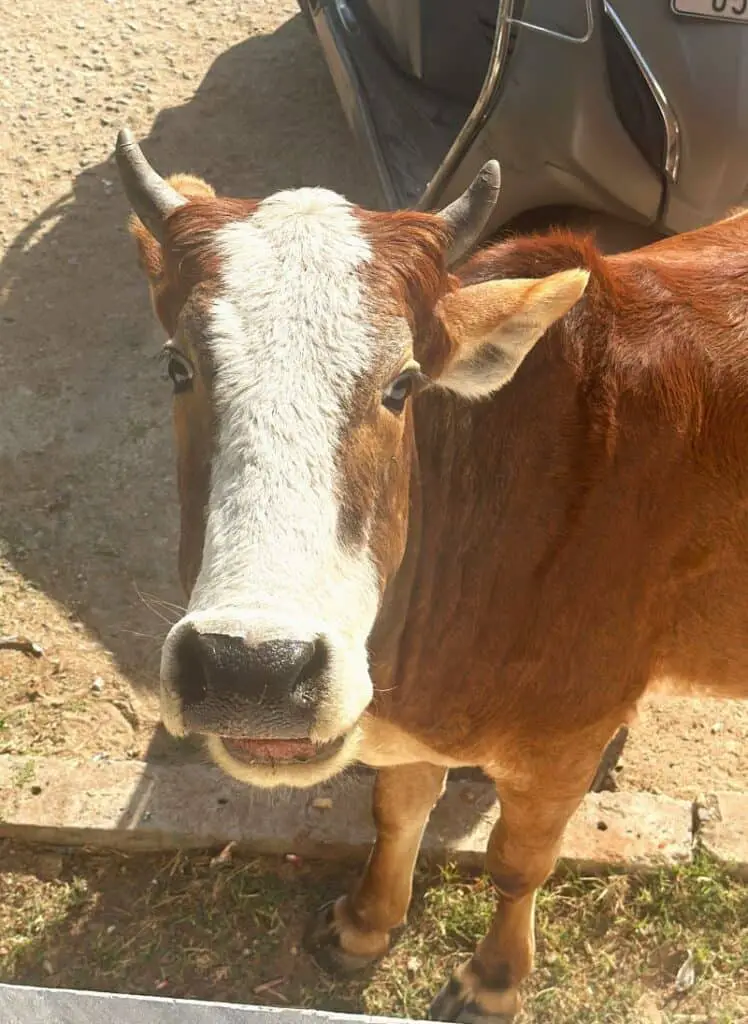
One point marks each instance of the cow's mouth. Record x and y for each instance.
(280, 752)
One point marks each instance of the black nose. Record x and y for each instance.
(269, 690)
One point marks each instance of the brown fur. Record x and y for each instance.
(546, 555)
(188, 258)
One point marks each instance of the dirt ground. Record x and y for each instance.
(238, 93)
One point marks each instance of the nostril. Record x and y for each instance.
(306, 687)
(191, 667)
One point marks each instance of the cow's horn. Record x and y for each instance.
(152, 198)
(467, 216)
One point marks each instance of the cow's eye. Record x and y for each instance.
(179, 369)
(397, 392)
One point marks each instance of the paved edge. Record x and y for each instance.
(34, 1005)
(136, 806)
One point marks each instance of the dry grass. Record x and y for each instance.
(608, 950)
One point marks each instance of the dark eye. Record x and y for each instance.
(396, 394)
(179, 369)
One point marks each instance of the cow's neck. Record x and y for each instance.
(386, 637)
(463, 493)
(442, 457)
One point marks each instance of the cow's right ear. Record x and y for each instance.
(149, 250)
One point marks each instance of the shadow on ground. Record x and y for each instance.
(89, 504)
(170, 926)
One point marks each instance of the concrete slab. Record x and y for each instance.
(634, 831)
(723, 830)
(20, 1005)
(134, 806)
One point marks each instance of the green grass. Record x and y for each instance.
(608, 948)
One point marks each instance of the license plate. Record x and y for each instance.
(721, 10)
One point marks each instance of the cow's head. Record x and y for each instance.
(300, 330)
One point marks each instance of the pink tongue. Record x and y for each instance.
(275, 750)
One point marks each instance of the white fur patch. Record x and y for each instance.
(289, 337)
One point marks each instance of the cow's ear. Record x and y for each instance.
(149, 251)
(492, 326)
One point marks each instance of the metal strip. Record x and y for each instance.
(672, 126)
(496, 66)
(562, 35)
(330, 26)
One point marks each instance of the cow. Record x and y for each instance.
(443, 507)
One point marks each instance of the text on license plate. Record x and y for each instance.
(722, 10)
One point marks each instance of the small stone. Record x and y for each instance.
(48, 968)
(97, 685)
(224, 857)
(686, 976)
(717, 727)
(322, 803)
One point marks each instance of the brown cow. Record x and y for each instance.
(437, 517)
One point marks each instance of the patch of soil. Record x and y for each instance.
(239, 94)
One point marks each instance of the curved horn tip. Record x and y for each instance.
(151, 198)
(490, 174)
(125, 138)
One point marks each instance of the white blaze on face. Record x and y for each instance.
(289, 337)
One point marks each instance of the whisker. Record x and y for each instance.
(166, 604)
(156, 612)
(160, 637)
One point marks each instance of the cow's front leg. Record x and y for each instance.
(354, 931)
(521, 853)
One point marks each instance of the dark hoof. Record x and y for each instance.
(322, 942)
(458, 1005)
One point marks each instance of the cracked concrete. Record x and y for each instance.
(139, 806)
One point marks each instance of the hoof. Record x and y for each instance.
(461, 1002)
(323, 940)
